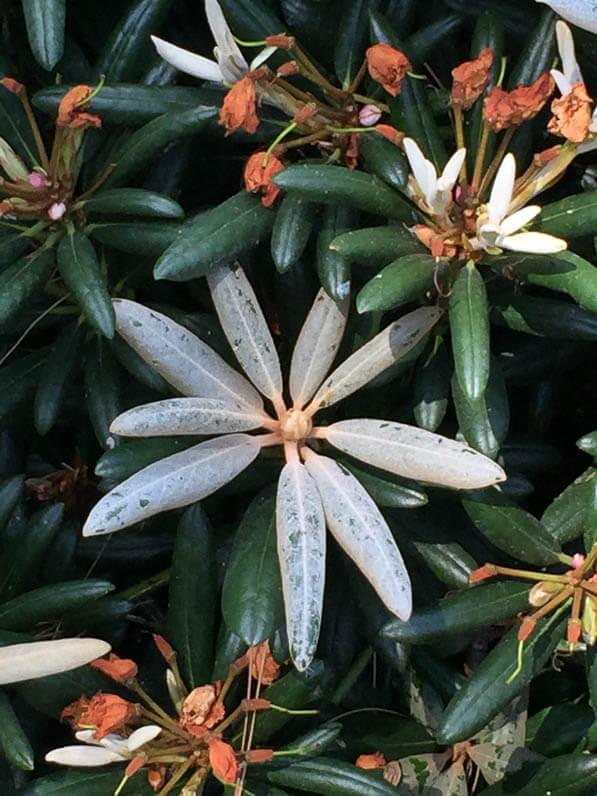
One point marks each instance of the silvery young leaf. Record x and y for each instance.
(245, 327)
(172, 482)
(316, 347)
(184, 360)
(383, 350)
(300, 526)
(414, 453)
(496, 760)
(359, 528)
(40, 658)
(186, 416)
(420, 773)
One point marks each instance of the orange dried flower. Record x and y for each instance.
(470, 79)
(71, 113)
(387, 66)
(120, 669)
(106, 712)
(434, 242)
(156, 776)
(389, 132)
(259, 170)
(222, 759)
(238, 109)
(200, 711)
(375, 760)
(504, 109)
(572, 114)
(12, 85)
(264, 663)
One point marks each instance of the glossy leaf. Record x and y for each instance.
(58, 371)
(180, 357)
(173, 482)
(545, 317)
(292, 227)
(376, 245)
(432, 386)
(359, 528)
(333, 269)
(469, 326)
(413, 453)
(132, 202)
(384, 159)
(49, 602)
(403, 280)
(102, 390)
(45, 30)
(21, 281)
(300, 527)
(329, 776)
(386, 492)
(246, 329)
(14, 746)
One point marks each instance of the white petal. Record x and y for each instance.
(564, 86)
(414, 453)
(579, 12)
(40, 658)
(142, 736)
(517, 220)
(423, 170)
(245, 327)
(179, 356)
(300, 527)
(383, 350)
(88, 736)
(534, 243)
(451, 170)
(175, 481)
(501, 192)
(490, 235)
(261, 57)
(186, 416)
(316, 346)
(83, 756)
(361, 531)
(570, 66)
(186, 61)
(231, 60)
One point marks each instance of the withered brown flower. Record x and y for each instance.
(387, 66)
(470, 79)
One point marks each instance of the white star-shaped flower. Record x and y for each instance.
(110, 749)
(435, 191)
(497, 232)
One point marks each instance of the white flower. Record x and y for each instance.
(230, 64)
(497, 231)
(579, 12)
(110, 749)
(436, 191)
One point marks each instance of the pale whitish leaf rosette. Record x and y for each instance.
(313, 490)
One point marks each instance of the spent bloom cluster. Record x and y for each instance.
(171, 749)
(313, 489)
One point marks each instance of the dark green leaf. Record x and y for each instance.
(332, 778)
(58, 372)
(334, 270)
(402, 281)
(45, 30)
(147, 238)
(545, 317)
(384, 159)
(14, 745)
(20, 282)
(131, 202)
(469, 327)
(292, 227)
(49, 602)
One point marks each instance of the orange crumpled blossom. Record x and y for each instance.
(470, 79)
(222, 759)
(572, 114)
(238, 109)
(200, 711)
(259, 170)
(434, 242)
(106, 712)
(511, 108)
(120, 669)
(262, 662)
(71, 113)
(375, 760)
(387, 66)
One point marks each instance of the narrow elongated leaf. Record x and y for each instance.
(316, 347)
(252, 593)
(186, 416)
(414, 453)
(179, 356)
(359, 528)
(330, 776)
(173, 482)
(469, 325)
(21, 281)
(45, 30)
(301, 552)
(246, 329)
(39, 658)
(383, 350)
(14, 746)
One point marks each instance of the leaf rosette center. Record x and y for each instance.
(295, 425)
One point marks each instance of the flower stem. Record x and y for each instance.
(480, 158)
(493, 166)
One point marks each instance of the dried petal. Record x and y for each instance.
(375, 760)
(71, 113)
(572, 114)
(471, 79)
(222, 759)
(120, 669)
(106, 712)
(264, 664)
(259, 170)
(389, 132)
(198, 704)
(238, 109)
(388, 67)
(504, 109)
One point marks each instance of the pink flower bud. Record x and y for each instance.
(578, 560)
(57, 210)
(369, 115)
(37, 180)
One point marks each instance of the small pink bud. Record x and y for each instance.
(37, 180)
(369, 115)
(578, 560)
(57, 210)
